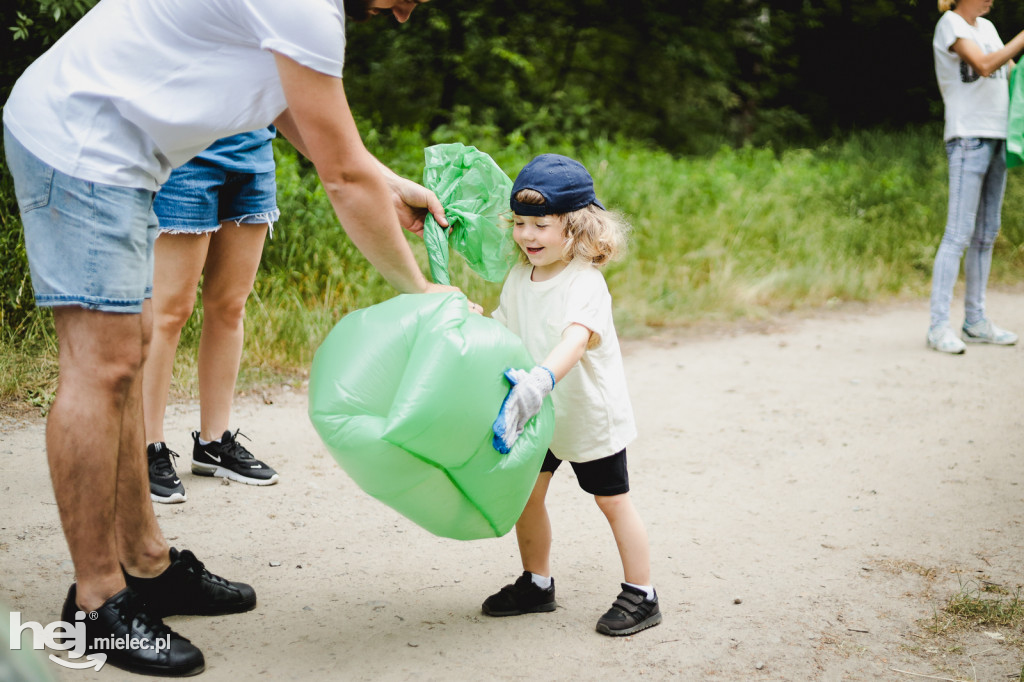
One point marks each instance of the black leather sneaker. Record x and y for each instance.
(133, 638)
(229, 459)
(521, 597)
(631, 612)
(164, 484)
(186, 588)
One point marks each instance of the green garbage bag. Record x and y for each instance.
(1015, 124)
(474, 192)
(403, 394)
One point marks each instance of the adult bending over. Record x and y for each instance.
(972, 67)
(91, 131)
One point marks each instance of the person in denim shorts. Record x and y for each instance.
(92, 129)
(972, 67)
(215, 213)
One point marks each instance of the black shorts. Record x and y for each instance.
(606, 476)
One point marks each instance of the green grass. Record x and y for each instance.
(979, 605)
(743, 233)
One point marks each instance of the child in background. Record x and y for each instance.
(557, 301)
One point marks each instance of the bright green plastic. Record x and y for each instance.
(1015, 123)
(474, 192)
(404, 393)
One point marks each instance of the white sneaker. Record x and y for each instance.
(986, 332)
(944, 340)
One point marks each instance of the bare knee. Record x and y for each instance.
(173, 313)
(224, 311)
(612, 505)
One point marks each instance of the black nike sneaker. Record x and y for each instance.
(164, 484)
(229, 459)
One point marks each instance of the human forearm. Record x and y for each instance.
(363, 205)
(320, 123)
(987, 64)
(564, 356)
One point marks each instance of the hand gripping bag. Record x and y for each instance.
(474, 192)
(403, 394)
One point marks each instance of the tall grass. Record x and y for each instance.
(742, 233)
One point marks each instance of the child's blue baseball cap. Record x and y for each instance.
(563, 182)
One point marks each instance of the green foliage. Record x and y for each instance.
(16, 301)
(744, 232)
(718, 127)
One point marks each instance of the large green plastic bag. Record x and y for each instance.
(474, 192)
(404, 393)
(1015, 124)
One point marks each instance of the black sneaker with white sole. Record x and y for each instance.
(164, 484)
(229, 459)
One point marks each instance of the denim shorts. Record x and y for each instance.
(605, 477)
(199, 196)
(88, 244)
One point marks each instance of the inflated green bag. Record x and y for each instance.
(404, 393)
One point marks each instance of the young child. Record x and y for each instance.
(557, 301)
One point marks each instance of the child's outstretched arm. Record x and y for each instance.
(526, 396)
(569, 350)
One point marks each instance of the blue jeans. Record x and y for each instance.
(977, 180)
(88, 244)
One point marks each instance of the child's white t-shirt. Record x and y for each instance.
(975, 106)
(138, 87)
(593, 414)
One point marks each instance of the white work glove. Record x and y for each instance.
(523, 401)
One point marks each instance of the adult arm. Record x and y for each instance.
(320, 125)
(987, 64)
(412, 201)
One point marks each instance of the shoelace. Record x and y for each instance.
(161, 465)
(196, 567)
(133, 611)
(236, 449)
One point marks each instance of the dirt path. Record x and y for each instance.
(811, 492)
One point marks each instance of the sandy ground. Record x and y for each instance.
(814, 489)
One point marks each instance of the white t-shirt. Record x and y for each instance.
(138, 87)
(975, 106)
(593, 415)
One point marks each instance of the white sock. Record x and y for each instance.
(644, 588)
(541, 581)
(207, 442)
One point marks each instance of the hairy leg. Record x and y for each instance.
(141, 545)
(100, 357)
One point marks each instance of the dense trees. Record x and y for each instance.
(687, 75)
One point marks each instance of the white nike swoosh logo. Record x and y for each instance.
(215, 458)
(177, 481)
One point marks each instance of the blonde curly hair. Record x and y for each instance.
(591, 234)
(946, 5)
